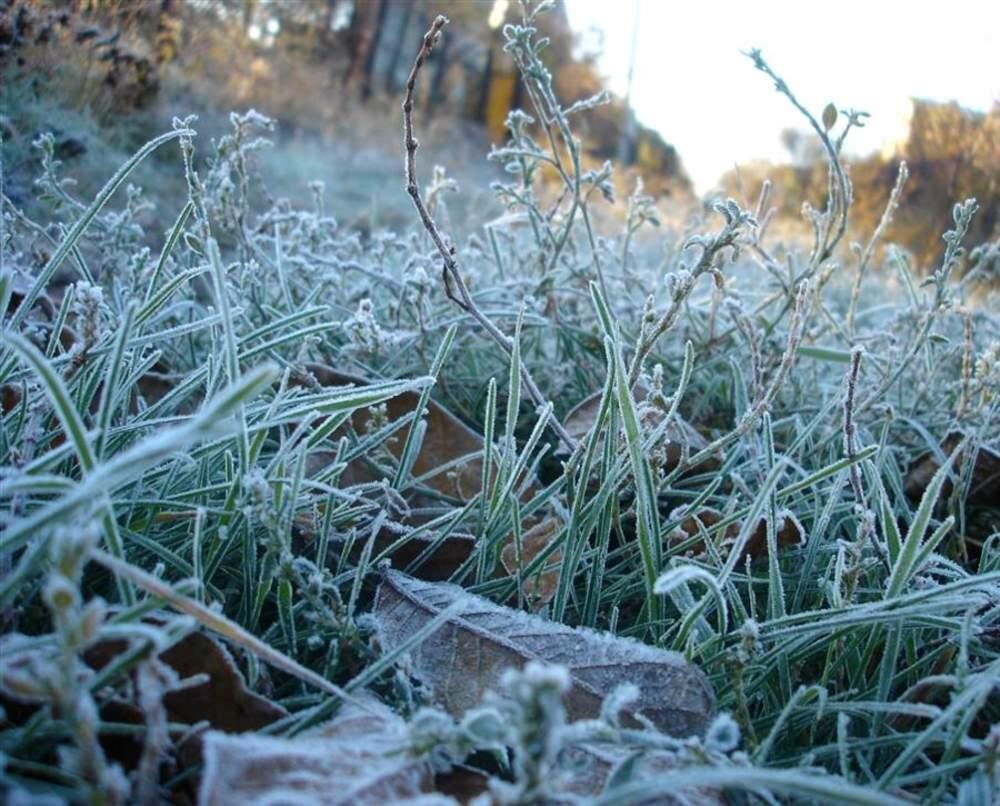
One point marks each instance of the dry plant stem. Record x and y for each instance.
(756, 364)
(866, 255)
(866, 523)
(850, 428)
(963, 215)
(549, 112)
(648, 340)
(453, 279)
(796, 331)
(967, 349)
(839, 190)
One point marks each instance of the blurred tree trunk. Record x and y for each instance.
(372, 33)
(331, 10)
(397, 53)
(483, 98)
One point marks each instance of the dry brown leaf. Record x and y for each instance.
(985, 487)
(357, 758)
(540, 586)
(789, 533)
(464, 784)
(466, 656)
(446, 440)
(446, 557)
(224, 700)
(680, 436)
(150, 386)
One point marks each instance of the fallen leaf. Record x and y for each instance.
(464, 784)
(443, 556)
(465, 657)
(985, 487)
(447, 440)
(540, 586)
(789, 534)
(357, 758)
(23, 692)
(594, 766)
(223, 700)
(680, 436)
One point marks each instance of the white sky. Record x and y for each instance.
(693, 84)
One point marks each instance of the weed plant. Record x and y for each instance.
(162, 420)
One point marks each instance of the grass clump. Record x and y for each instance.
(175, 459)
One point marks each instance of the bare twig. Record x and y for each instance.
(866, 254)
(866, 518)
(454, 283)
(967, 348)
(711, 249)
(839, 186)
(796, 331)
(850, 427)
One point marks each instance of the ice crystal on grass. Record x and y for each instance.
(90, 311)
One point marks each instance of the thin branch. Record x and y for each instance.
(866, 255)
(455, 286)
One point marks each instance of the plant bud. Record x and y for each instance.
(829, 116)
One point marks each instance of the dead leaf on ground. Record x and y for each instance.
(985, 487)
(540, 586)
(151, 387)
(466, 656)
(223, 700)
(680, 438)
(357, 758)
(446, 440)
(462, 783)
(443, 556)
(789, 534)
(595, 765)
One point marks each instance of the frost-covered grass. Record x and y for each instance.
(162, 424)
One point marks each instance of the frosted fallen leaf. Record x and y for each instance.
(596, 766)
(789, 533)
(450, 457)
(984, 488)
(449, 462)
(223, 700)
(539, 586)
(466, 656)
(356, 759)
(680, 437)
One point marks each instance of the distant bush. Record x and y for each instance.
(950, 153)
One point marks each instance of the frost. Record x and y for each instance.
(468, 655)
